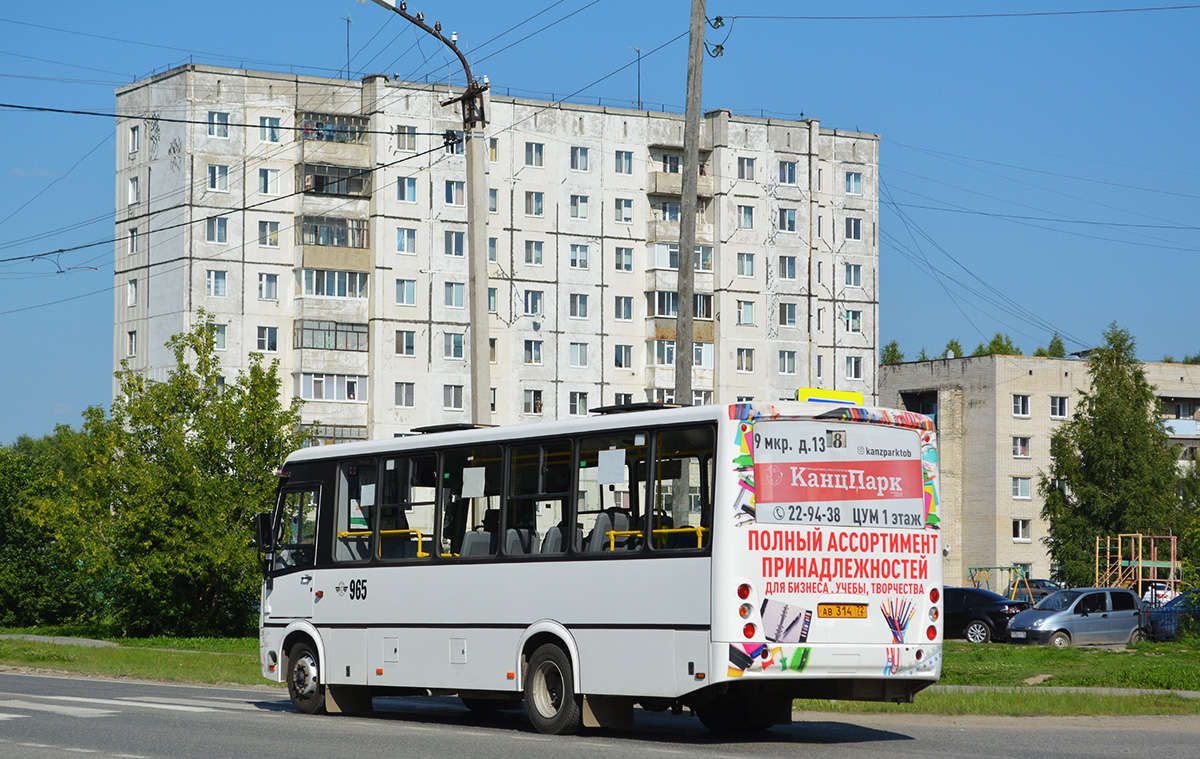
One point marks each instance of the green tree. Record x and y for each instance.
(1000, 345)
(160, 512)
(1112, 468)
(953, 349)
(921, 356)
(891, 354)
(1056, 349)
(1192, 359)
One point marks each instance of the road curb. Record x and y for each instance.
(1061, 689)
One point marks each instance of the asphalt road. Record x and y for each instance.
(53, 718)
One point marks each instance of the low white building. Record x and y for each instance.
(323, 223)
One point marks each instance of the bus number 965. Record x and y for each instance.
(358, 590)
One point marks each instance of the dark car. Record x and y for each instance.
(1038, 589)
(979, 615)
(1166, 621)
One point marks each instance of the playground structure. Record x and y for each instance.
(1009, 580)
(1135, 560)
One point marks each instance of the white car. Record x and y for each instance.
(1157, 594)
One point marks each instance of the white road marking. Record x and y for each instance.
(69, 711)
(4, 717)
(119, 702)
(234, 704)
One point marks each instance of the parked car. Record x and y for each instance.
(1038, 589)
(979, 615)
(1166, 621)
(1082, 616)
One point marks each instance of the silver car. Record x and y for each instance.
(1080, 617)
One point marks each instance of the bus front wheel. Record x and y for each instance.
(304, 680)
(550, 699)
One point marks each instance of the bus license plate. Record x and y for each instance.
(842, 611)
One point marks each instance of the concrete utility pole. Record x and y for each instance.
(687, 223)
(477, 195)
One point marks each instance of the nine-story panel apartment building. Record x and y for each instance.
(323, 223)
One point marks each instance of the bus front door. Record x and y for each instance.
(290, 592)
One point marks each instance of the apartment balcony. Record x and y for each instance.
(1181, 427)
(668, 231)
(335, 258)
(668, 183)
(663, 328)
(668, 279)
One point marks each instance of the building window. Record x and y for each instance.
(406, 342)
(452, 345)
(745, 264)
(406, 241)
(454, 244)
(577, 404)
(135, 193)
(218, 177)
(1058, 407)
(219, 332)
(787, 172)
(663, 352)
(332, 387)
(533, 204)
(624, 259)
(624, 162)
(133, 242)
(667, 256)
(579, 206)
(452, 397)
(579, 355)
(853, 275)
(533, 352)
(533, 252)
(268, 339)
(666, 210)
(493, 254)
(330, 335)
(492, 300)
(1022, 530)
(623, 399)
(579, 159)
(787, 267)
(1020, 405)
(665, 303)
(268, 181)
(702, 307)
(335, 284)
(493, 201)
(624, 211)
(623, 357)
(406, 189)
(820, 319)
(406, 138)
(334, 231)
(454, 294)
(268, 286)
(853, 183)
(745, 360)
(787, 362)
(853, 321)
(268, 234)
(579, 256)
(216, 229)
(623, 308)
(492, 360)
(1020, 447)
(534, 154)
(131, 343)
(131, 293)
(533, 402)
(406, 394)
(787, 314)
(702, 355)
(406, 292)
(745, 217)
(1020, 488)
(787, 219)
(493, 149)
(745, 312)
(218, 124)
(135, 139)
(746, 168)
(533, 302)
(455, 193)
(671, 164)
(268, 129)
(456, 144)
(853, 229)
(854, 367)
(214, 283)
(579, 306)
(820, 365)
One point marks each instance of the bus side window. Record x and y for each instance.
(355, 504)
(540, 477)
(406, 508)
(680, 513)
(296, 532)
(470, 491)
(608, 505)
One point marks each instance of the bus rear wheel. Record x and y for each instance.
(304, 680)
(550, 699)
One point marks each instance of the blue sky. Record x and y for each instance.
(1038, 173)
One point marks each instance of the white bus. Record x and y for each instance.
(725, 558)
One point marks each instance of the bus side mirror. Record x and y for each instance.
(262, 528)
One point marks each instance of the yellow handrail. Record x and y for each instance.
(367, 533)
(614, 534)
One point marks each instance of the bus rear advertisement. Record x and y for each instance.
(725, 559)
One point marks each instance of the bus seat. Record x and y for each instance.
(616, 520)
(555, 540)
(476, 543)
(518, 542)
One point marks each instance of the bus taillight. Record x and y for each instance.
(745, 610)
(931, 632)
(749, 630)
(744, 591)
(934, 594)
